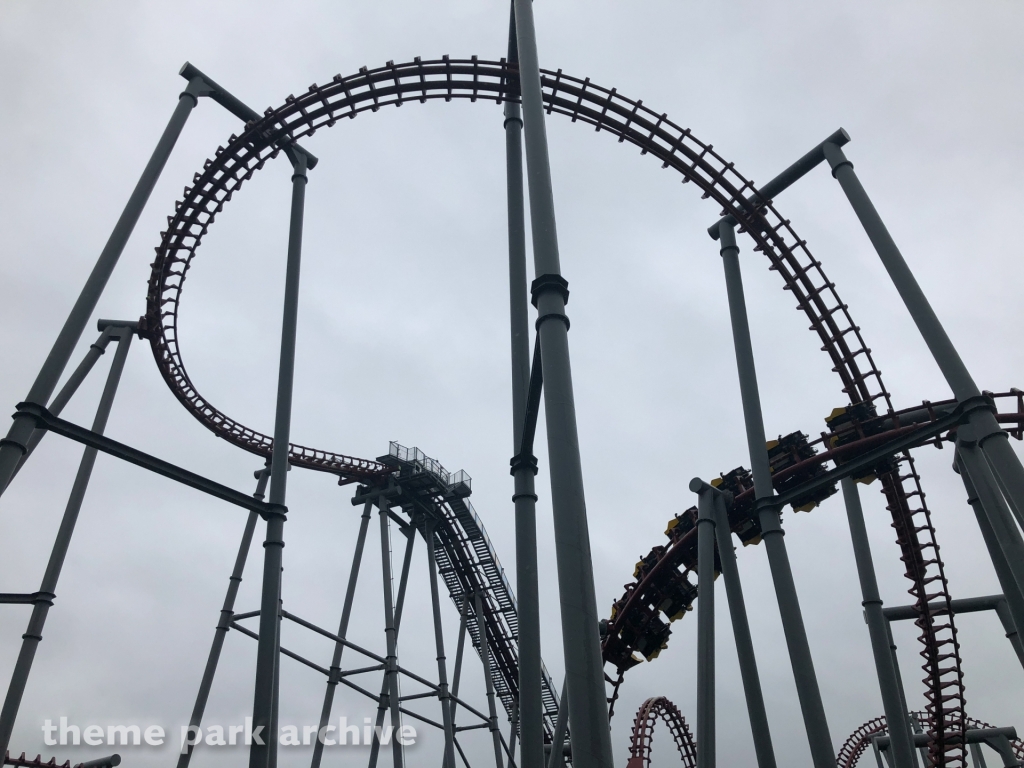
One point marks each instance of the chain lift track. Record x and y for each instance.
(468, 563)
(654, 134)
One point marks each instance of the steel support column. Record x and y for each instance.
(96, 349)
(990, 437)
(815, 723)
(485, 657)
(1004, 572)
(976, 469)
(557, 757)
(460, 648)
(346, 613)
(389, 696)
(15, 444)
(43, 599)
(448, 761)
(513, 732)
(267, 654)
(911, 722)
(759, 730)
(226, 615)
(895, 715)
(705, 625)
(524, 468)
(584, 665)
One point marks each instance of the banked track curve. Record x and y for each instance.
(447, 79)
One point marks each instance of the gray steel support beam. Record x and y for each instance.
(346, 614)
(977, 756)
(1013, 601)
(485, 657)
(15, 444)
(1002, 610)
(556, 759)
(96, 349)
(43, 599)
(243, 112)
(275, 714)
(389, 698)
(226, 617)
(267, 655)
(758, 715)
(45, 420)
(912, 723)
(786, 179)
(895, 715)
(460, 648)
(942, 349)
(531, 705)
(448, 760)
(513, 732)
(975, 468)
(985, 430)
(815, 723)
(960, 605)
(584, 665)
(705, 625)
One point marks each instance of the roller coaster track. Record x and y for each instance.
(858, 742)
(322, 106)
(643, 733)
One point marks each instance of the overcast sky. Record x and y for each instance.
(404, 332)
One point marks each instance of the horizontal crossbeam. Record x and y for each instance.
(46, 420)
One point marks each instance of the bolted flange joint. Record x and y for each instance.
(272, 510)
(523, 461)
(549, 282)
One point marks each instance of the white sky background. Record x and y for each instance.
(404, 330)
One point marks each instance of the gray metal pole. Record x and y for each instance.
(485, 657)
(43, 599)
(758, 716)
(760, 732)
(815, 723)
(513, 732)
(977, 756)
(1002, 610)
(346, 613)
(15, 445)
(275, 713)
(267, 653)
(389, 695)
(531, 705)
(895, 716)
(442, 672)
(973, 466)
(902, 691)
(1011, 594)
(584, 666)
(557, 757)
(991, 438)
(459, 650)
(96, 349)
(705, 625)
(226, 613)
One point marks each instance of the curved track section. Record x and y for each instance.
(860, 740)
(674, 147)
(643, 733)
